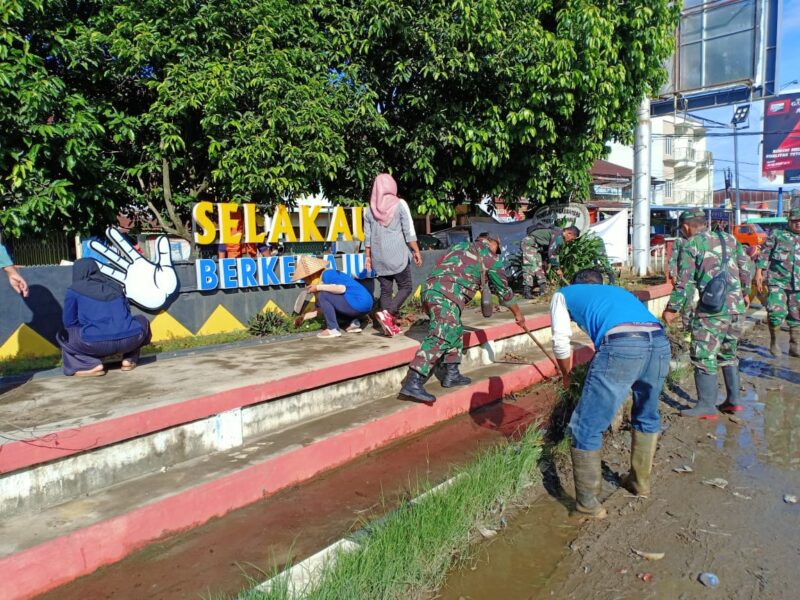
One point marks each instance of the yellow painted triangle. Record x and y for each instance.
(166, 327)
(272, 307)
(220, 321)
(418, 292)
(26, 342)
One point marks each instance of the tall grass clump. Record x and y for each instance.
(409, 552)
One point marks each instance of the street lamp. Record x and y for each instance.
(739, 116)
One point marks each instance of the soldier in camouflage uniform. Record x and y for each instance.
(714, 335)
(449, 287)
(549, 240)
(532, 266)
(781, 259)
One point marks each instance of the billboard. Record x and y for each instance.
(782, 134)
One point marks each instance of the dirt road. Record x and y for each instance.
(744, 532)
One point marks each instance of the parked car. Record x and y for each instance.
(749, 234)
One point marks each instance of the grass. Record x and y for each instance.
(408, 553)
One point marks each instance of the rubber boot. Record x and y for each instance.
(587, 470)
(707, 386)
(730, 374)
(412, 388)
(794, 341)
(526, 292)
(643, 449)
(542, 289)
(452, 377)
(774, 349)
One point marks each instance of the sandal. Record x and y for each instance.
(329, 333)
(96, 372)
(127, 365)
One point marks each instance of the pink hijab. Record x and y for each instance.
(383, 201)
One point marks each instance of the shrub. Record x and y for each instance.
(270, 323)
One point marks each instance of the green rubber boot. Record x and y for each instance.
(643, 450)
(588, 473)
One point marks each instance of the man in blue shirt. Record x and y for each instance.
(632, 353)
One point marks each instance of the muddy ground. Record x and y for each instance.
(745, 533)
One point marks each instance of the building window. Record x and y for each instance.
(668, 189)
(668, 146)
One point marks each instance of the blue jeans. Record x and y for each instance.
(334, 306)
(627, 363)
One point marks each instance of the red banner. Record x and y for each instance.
(782, 134)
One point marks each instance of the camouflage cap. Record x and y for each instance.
(794, 214)
(692, 213)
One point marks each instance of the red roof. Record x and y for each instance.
(603, 168)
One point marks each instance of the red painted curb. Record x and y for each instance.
(20, 454)
(61, 560)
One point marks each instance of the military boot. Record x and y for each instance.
(774, 349)
(707, 386)
(730, 374)
(794, 341)
(412, 388)
(452, 377)
(643, 449)
(588, 473)
(526, 291)
(542, 289)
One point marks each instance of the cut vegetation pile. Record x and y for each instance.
(408, 553)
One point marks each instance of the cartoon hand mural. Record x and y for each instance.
(146, 284)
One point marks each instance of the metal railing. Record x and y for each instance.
(50, 250)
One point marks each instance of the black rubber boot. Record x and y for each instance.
(707, 386)
(526, 292)
(412, 388)
(730, 374)
(774, 349)
(794, 341)
(588, 473)
(452, 377)
(542, 288)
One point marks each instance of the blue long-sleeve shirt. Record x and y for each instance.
(99, 320)
(5, 258)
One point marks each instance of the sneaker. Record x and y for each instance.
(387, 323)
(396, 329)
(329, 333)
(354, 327)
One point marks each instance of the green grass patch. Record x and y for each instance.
(675, 376)
(15, 366)
(409, 552)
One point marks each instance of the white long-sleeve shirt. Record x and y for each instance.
(561, 325)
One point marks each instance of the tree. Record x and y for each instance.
(122, 105)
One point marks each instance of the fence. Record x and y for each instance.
(48, 251)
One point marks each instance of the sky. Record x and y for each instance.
(750, 146)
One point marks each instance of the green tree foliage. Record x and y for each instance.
(124, 105)
(585, 252)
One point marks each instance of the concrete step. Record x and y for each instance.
(41, 550)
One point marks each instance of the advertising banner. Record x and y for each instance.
(782, 134)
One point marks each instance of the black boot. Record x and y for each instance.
(774, 348)
(588, 473)
(707, 386)
(794, 341)
(452, 377)
(526, 291)
(412, 388)
(542, 288)
(730, 374)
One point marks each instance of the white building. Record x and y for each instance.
(681, 169)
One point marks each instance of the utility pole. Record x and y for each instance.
(641, 190)
(739, 116)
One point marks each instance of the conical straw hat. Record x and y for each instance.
(308, 265)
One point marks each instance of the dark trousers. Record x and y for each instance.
(403, 279)
(80, 355)
(335, 305)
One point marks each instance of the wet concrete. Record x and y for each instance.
(219, 557)
(745, 533)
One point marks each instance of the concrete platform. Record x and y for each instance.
(97, 468)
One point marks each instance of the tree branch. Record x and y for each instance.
(179, 226)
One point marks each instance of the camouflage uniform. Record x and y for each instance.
(672, 272)
(780, 260)
(549, 240)
(449, 287)
(714, 336)
(532, 264)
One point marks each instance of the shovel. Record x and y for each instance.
(546, 353)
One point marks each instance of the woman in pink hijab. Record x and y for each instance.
(388, 235)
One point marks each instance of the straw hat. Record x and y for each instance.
(308, 265)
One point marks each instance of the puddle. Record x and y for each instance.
(521, 560)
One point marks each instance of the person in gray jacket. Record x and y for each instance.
(388, 235)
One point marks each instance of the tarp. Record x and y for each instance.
(510, 234)
(614, 233)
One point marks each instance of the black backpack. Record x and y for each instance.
(712, 299)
